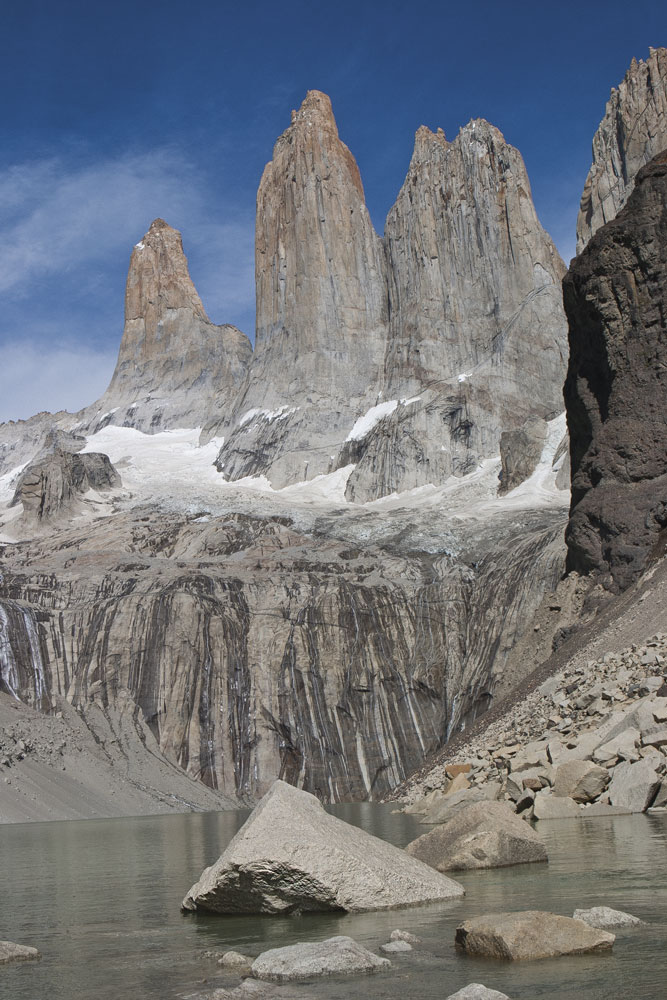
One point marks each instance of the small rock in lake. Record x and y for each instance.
(10, 952)
(395, 947)
(399, 935)
(475, 991)
(604, 917)
(529, 934)
(334, 957)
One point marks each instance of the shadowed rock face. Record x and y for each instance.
(633, 130)
(616, 390)
(174, 366)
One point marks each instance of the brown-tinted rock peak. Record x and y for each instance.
(175, 368)
(321, 308)
(158, 282)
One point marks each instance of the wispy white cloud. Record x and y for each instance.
(64, 215)
(40, 377)
(64, 226)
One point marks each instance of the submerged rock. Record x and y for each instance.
(484, 835)
(291, 855)
(475, 991)
(334, 957)
(10, 952)
(530, 934)
(396, 947)
(604, 917)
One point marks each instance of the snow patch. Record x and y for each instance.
(268, 415)
(365, 424)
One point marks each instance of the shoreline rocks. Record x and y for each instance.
(579, 734)
(483, 835)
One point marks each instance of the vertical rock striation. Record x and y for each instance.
(321, 307)
(174, 366)
(633, 130)
(616, 389)
(477, 330)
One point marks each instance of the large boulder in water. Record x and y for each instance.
(291, 855)
(483, 835)
(529, 934)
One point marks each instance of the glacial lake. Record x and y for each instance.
(100, 899)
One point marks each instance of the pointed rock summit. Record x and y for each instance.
(632, 132)
(405, 357)
(477, 335)
(321, 307)
(174, 365)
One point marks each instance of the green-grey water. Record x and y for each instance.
(100, 899)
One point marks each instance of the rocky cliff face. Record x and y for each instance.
(616, 389)
(407, 365)
(297, 634)
(477, 336)
(633, 130)
(332, 650)
(321, 307)
(174, 366)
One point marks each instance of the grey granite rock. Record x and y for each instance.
(580, 780)
(11, 952)
(476, 991)
(520, 451)
(336, 956)
(632, 132)
(396, 947)
(634, 786)
(292, 856)
(321, 308)
(54, 484)
(604, 917)
(477, 333)
(484, 835)
(530, 934)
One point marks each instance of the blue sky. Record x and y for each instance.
(119, 112)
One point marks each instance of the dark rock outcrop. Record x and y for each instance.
(616, 389)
